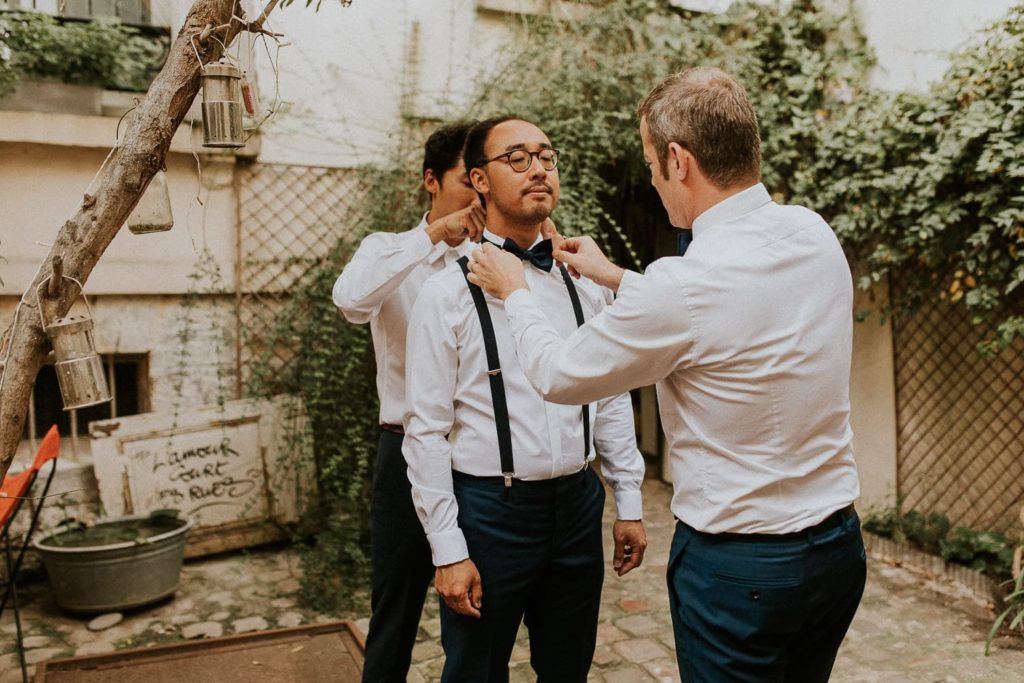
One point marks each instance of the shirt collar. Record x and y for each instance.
(441, 248)
(495, 239)
(732, 207)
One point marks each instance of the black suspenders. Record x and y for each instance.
(494, 371)
(574, 296)
(494, 375)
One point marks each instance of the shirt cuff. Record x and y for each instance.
(629, 278)
(629, 505)
(448, 547)
(421, 240)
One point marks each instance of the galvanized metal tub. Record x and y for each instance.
(89, 573)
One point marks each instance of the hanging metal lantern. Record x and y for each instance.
(222, 106)
(79, 369)
(153, 212)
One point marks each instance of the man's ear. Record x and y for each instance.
(479, 180)
(678, 161)
(430, 182)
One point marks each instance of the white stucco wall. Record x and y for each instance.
(914, 39)
(349, 71)
(41, 186)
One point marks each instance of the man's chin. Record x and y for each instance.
(536, 214)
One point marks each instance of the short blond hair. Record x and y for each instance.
(706, 111)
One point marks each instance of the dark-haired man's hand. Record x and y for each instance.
(466, 223)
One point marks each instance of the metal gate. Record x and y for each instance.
(960, 420)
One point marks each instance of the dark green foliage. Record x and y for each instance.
(922, 531)
(334, 373)
(983, 551)
(929, 186)
(581, 82)
(101, 52)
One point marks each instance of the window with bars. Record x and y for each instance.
(128, 379)
(129, 11)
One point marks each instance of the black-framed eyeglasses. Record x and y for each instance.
(520, 160)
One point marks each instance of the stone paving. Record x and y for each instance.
(910, 628)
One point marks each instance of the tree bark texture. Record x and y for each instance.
(84, 237)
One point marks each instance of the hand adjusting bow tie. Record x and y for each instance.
(539, 254)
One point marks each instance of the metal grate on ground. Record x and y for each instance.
(960, 420)
(289, 217)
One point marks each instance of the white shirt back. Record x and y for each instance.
(749, 339)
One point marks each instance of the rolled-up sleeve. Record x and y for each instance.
(432, 362)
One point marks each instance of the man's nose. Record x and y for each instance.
(536, 170)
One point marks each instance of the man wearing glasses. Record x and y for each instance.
(501, 479)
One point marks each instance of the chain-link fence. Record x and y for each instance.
(960, 420)
(289, 218)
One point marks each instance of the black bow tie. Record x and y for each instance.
(539, 254)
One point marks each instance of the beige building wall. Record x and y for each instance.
(47, 161)
(873, 402)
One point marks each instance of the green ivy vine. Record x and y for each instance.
(928, 187)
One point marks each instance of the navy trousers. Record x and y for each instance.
(538, 547)
(763, 610)
(401, 567)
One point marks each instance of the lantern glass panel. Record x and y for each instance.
(153, 212)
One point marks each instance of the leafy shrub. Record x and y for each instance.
(101, 52)
(925, 532)
(983, 551)
(986, 551)
(927, 187)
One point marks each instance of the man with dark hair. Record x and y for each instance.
(749, 340)
(501, 478)
(379, 286)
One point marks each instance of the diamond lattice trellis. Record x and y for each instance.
(289, 218)
(960, 420)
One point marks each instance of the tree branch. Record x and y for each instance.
(85, 236)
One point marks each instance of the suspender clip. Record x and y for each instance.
(495, 371)
(508, 479)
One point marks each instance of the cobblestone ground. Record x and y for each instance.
(909, 629)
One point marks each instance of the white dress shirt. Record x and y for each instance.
(380, 285)
(450, 394)
(749, 339)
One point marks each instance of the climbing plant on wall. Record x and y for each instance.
(928, 186)
(581, 81)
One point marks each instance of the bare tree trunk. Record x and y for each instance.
(82, 239)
